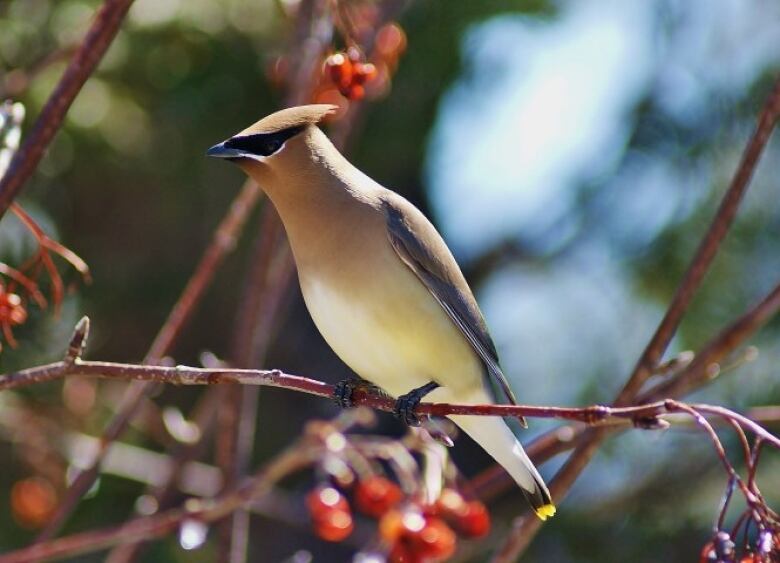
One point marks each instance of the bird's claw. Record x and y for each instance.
(404, 409)
(406, 404)
(342, 392)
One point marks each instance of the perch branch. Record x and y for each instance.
(641, 416)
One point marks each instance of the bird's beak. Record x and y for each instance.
(221, 151)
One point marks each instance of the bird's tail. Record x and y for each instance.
(497, 439)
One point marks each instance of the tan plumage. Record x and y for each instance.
(379, 281)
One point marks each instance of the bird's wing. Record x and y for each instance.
(420, 247)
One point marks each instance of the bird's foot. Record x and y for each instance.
(406, 404)
(344, 390)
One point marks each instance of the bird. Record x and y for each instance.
(380, 283)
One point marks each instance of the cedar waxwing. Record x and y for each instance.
(380, 283)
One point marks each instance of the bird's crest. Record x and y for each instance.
(291, 117)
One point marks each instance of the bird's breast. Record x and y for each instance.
(384, 324)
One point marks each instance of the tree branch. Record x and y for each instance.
(642, 416)
(294, 458)
(86, 58)
(222, 244)
(525, 529)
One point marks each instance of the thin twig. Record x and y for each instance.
(222, 244)
(702, 259)
(525, 529)
(294, 458)
(727, 341)
(86, 58)
(257, 308)
(494, 480)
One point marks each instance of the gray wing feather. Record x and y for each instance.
(440, 274)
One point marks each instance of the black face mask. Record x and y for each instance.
(262, 144)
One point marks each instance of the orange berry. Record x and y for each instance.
(33, 500)
(391, 526)
(474, 520)
(334, 525)
(376, 495)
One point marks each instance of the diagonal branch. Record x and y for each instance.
(222, 244)
(86, 58)
(701, 261)
(525, 529)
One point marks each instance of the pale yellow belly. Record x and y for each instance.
(392, 332)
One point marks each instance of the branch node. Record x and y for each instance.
(78, 341)
(597, 413)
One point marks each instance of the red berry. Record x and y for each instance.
(708, 554)
(450, 503)
(363, 72)
(376, 495)
(355, 92)
(403, 553)
(474, 521)
(11, 309)
(325, 499)
(334, 525)
(339, 68)
(413, 537)
(435, 541)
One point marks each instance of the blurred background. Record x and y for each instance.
(571, 152)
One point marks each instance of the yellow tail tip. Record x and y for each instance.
(545, 512)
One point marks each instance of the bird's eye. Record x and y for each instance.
(272, 145)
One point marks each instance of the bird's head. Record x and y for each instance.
(277, 141)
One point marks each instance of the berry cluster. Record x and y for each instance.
(410, 531)
(722, 549)
(429, 533)
(349, 73)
